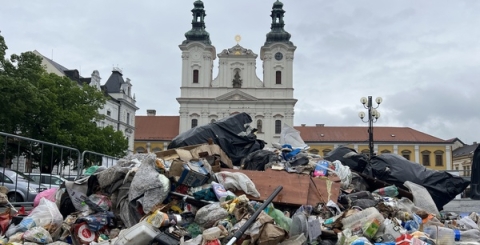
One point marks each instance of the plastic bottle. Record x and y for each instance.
(389, 191)
(472, 235)
(441, 235)
(362, 217)
(279, 217)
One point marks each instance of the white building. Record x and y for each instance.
(269, 101)
(120, 107)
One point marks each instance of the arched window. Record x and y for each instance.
(195, 76)
(438, 158)
(426, 158)
(278, 126)
(156, 149)
(385, 151)
(366, 152)
(194, 123)
(406, 154)
(212, 121)
(278, 77)
(314, 151)
(259, 126)
(325, 152)
(140, 150)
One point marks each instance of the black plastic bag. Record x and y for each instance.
(258, 159)
(475, 176)
(233, 134)
(349, 157)
(394, 169)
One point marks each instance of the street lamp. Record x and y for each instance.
(373, 116)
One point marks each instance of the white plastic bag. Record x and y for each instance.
(237, 181)
(344, 173)
(421, 198)
(291, 136)
(38, 235)
(46, 213)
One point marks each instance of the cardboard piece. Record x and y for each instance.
(194, 174)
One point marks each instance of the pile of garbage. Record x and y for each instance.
(198, 195)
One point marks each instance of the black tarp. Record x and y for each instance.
(395, 169)
(475, 176)
(233, 134)
(348, 157)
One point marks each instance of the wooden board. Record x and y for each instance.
(298, 189)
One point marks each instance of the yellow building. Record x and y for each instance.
(430, 151)
(154, 133)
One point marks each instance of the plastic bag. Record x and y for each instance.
(344, 173)
(208, 215)
(422, 198)
(237, 181)
(46, 214)
(291, 136)
(38, 235)
(48, 194)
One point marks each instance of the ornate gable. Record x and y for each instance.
(236, 95)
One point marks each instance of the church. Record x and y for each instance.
(269, 101)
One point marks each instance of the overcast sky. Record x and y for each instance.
(421, 57)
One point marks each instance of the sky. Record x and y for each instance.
(421, 57)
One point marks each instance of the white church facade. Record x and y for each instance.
(269, 101)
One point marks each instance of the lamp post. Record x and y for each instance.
(373, 116)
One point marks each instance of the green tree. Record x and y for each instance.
(51, 108)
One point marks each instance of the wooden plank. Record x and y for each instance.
(322, 190)
(298, 189)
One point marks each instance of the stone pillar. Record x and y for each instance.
(355, 147)
(448, 157)
(417, 154)
(395, 149)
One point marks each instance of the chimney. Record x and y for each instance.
(151, 112)
(303, 125)
(320, 125)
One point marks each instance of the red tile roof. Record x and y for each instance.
(163, 128)
(360, 134)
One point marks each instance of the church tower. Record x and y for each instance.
(237, 88)
(197, 51)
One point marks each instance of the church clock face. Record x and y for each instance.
(278, 56)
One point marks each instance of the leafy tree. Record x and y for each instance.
(51, 108)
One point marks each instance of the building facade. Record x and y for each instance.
(463, 158)
(269, 101)
(120, 108)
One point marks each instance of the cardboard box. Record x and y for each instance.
(194, 174)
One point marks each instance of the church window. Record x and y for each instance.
(259, 126)
(212, 121)
(195, 76)
(278, 77)
(194, 123)
(128, 118)
(109, 113)
(426, 158)
(438, 158)
(278, 126)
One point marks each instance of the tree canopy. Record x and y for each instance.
(51, 108)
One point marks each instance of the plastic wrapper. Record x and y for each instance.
(258, 159)
(214, 233)
(208, 215)
(101, 200)
(38, 235)
(237, 181)
(344, 173)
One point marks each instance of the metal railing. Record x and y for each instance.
(25, 164)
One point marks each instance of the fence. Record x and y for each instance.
(25, 162)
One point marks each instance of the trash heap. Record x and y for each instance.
(198, 195)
